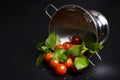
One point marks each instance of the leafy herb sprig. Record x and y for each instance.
(89, 44)
(47, 46)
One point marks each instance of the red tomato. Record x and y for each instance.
(73, 68)
(53, 63)
(76, 40)
(59, 46)
(60, 69)
(48, 56)
(68, 63)
(68, 45)
(72, 57)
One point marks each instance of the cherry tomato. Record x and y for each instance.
(60, 69)
(48, 56)
(68, 45)
(76, 40)
(59, 46)
(72, 57)
(73, 68)
(53, 63)
(68, 63)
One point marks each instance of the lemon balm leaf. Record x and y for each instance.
(52, 40)
(40, 59)
(83, 49)
(74, 50)
(81, 63)
(90, 37)
(90, 41)
(95, 47)
(60, 55)
(77, 50)
(39, 45)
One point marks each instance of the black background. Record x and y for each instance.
(24, 23)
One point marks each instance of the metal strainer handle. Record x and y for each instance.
(46, 10)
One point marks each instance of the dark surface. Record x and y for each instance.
(24, 24)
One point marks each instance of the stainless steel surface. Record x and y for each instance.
(72, 20)
(102, 26)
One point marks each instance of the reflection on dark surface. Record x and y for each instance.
(103, 72)
(47, 71)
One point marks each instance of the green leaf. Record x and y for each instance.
(45, 49)
(42, 48)
(60, 55)
(74, 50)
(39, 45)
(40, 59)
(83, 49)
(58, 41)
(90, 37)
(95, 47)
(77, 50)
(90, 41)
(52, 40)
(81, 63)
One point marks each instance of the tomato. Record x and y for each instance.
(53, 63)
(72, 57)
(76, 40)
(60, 69)
(48, 56)
(68, 45)
(68, 63)
(59, 46)
(73, 68)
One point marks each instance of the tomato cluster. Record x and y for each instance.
(61, 68)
